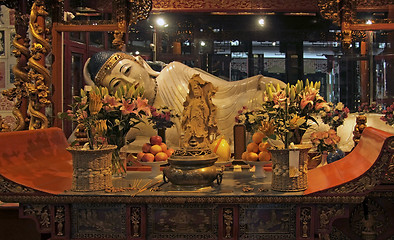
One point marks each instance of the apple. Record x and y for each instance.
(148, 157)
(146, 147)
(161, 156)
(140, 155)
(155, 149)
(155, 140)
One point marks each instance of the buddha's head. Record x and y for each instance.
(115, 69)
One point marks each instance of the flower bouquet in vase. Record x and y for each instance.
(92, 160)
(335, 115)
(288, 112)
(251, 119)
(111, 114)
(121, 111)
(324, 142)
(161, 119)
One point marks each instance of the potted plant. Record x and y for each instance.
(287, 115)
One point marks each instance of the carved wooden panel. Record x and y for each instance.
(267, 221)
(92, 220)
(231, 5)
(178, 221)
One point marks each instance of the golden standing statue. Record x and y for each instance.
(199, 114)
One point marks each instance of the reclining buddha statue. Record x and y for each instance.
(169, 87)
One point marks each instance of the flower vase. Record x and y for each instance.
(335, 155)
(91, 168)
(119, 166)
(297, 136)
(289, 169)
(162, 133)
(248, 137)
(320, 160)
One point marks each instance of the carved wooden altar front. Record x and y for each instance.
(240, 208)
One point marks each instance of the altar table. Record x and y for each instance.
(352, 198)
(241, 207)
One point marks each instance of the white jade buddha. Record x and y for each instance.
(170, 88)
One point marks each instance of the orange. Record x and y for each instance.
(264, 146)
(244, 154)
(252, 147)
(264, 156)
(252, 156)
(258, 137)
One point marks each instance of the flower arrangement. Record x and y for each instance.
(107, 117)
(388, 115)
(251, 118)
(162, 117)
(335, 115)
(325, 141)
(369, 108)
(288, 110)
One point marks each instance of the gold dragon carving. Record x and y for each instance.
(138, 10)
(38, 76)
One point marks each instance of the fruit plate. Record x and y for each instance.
(259, 168)
(155, 167)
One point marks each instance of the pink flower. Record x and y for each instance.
(110, 102)
(82, 115)
(328, 141)
(127, 107)
(315, 141)
(279, 98)
(307, 98)
(84, 100)
(321, 105)
(70, 113)
(167, 116)
(141, 105)
(332, 133)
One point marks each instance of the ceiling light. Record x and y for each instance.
(261, 22)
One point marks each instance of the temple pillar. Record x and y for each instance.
(294, 60)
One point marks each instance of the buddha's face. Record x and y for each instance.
(129, 71)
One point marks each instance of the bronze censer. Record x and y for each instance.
(193, 165)
(192, 168)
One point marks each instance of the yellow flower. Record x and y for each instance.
(268, 128)
(296, 121)
(101, 127)
(95, 103)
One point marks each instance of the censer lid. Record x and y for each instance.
(191, 156)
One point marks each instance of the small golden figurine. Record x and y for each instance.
(361, 124)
